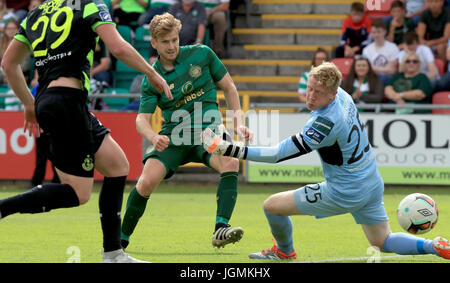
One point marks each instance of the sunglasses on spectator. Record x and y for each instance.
(412, 61)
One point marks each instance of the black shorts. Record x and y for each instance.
(74, 133)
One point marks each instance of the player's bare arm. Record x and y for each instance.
(14, 55)
(123, 51)
(144, 128)
(232, 99)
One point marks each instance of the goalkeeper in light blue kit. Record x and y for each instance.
(353, 183)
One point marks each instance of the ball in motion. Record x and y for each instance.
(417, 213)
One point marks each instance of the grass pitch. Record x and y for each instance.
(178, 224)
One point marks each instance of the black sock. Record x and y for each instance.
(42, 198)
(110, 206)
(219, 225)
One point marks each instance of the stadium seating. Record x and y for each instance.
(142, 41)
(373, 11)
(440, 65)
(125, 32)
(124, 75)
(3, 90)
(344, 65)
(442, 97)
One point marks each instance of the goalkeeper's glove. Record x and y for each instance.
(218, 145)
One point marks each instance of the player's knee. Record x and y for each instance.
(270, 205)
(120, 168)
(146, 186)
(83, 198)
(124, 167)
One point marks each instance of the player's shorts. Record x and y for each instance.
(74, 133)
(176, 155)
(316, 200)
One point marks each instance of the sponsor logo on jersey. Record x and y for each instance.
(323, 125)
(187, 88)
(189, 98)
(50, 7)
(106, 17)
(195, 71)
(314, 135)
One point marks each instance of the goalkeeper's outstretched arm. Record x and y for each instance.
(289, 148)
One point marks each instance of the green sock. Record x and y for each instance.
(135, 209)
(226, 197)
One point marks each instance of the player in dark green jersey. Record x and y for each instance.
(62, 35)
(193, 74)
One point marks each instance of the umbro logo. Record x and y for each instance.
(425, 212)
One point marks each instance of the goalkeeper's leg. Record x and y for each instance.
(380, 236)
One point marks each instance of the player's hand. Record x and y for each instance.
(245, 133)
(31, 125)
(160, 84)
(160, 142)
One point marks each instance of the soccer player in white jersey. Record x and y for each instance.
(352, 181)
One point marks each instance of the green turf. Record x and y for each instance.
(178, 224)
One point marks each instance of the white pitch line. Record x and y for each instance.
(357, 258)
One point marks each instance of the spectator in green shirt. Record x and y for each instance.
(410, 85)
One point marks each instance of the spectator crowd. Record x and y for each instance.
(203, 21)
(398, 58)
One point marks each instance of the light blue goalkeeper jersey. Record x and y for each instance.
(348, 163)
(337, 133)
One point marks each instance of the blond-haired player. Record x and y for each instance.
(352, 181)
(194, 73)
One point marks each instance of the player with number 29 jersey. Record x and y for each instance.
(46, 30)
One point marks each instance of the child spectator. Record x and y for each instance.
(398, 25)
(355, 32)
(382, 54)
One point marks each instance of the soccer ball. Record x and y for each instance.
(417, 213)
